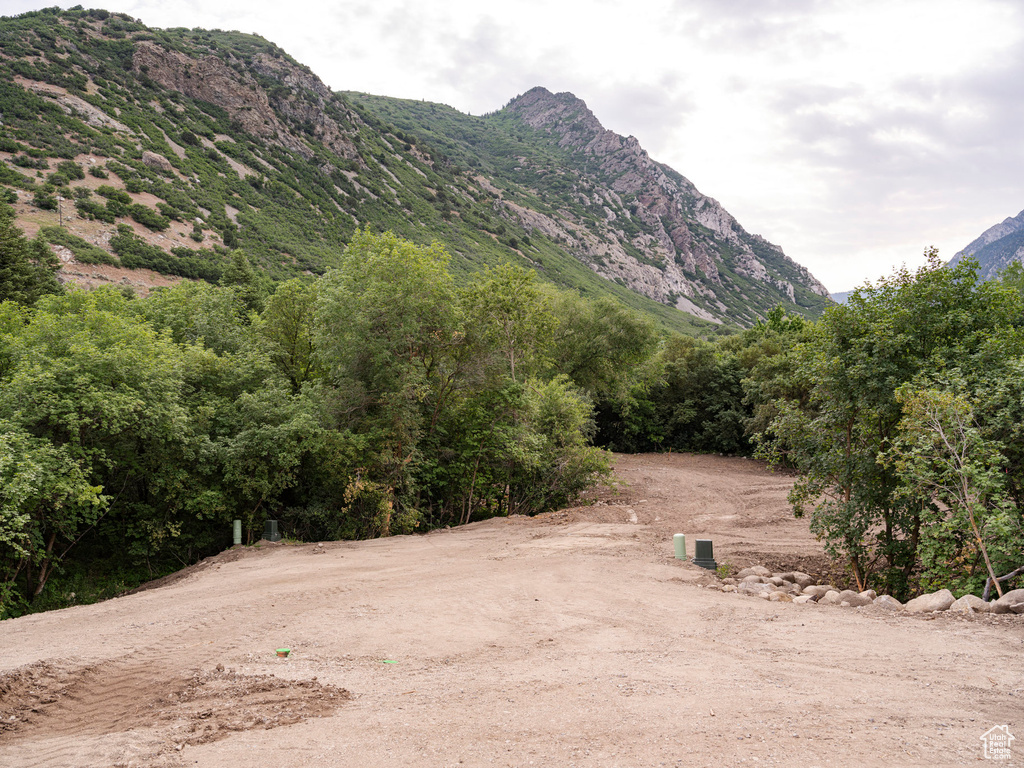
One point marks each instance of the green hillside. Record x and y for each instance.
(169, 149)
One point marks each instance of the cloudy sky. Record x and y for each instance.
(853, 134)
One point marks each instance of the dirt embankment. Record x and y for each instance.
(572, 639)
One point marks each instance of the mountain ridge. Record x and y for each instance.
(997, 247)
(209, 141)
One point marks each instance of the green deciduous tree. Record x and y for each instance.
(942, 453)
(858, 356)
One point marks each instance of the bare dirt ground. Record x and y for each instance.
(572, 639)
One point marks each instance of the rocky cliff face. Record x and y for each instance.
(688, 247)
(211, 79)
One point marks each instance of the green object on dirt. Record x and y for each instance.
(388, 661)
(283, 652)
(679, 542)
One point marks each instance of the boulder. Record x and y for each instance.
(817, 590)
(776, 581)
(869, 593)
(803, 599)
(1011, 602)
(729, 588)
(159, 162)
(854, 598)
(830, 598)
(753, 588)
(803, 579)
(780, 597)
(888, 602)
(970, 604)
(752, 579)
(754, 570)
(933, 601)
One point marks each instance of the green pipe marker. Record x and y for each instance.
(238, 531)
(679, 540)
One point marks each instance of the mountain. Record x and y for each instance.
(996, 247)
(132, 149)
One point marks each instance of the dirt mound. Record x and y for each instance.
(64, 702)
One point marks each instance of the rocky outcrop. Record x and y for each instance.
(210, 79)
(689, 237)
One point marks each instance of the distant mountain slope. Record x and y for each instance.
(996, 247)
(128, 148)
(600, 196)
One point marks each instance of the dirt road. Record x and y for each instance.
(573, 639)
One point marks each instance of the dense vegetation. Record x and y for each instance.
(382, 398)
(387, 397)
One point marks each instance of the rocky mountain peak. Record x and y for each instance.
(697, 246)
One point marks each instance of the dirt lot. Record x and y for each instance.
(573, 639)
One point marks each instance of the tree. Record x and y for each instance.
(286, 325)
(386, 323)
(514, 315)
(858, 356)
(45, 503)
(942, 453)
(28, 268)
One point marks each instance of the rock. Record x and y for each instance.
(776, 581)
(870, 594)
(752, 579)
(803, 599)
(1011, 602)
(970, 604)
(803, 579)
(816, 590)
(753, 588)
(159, 162)
(830, 598)
(780, 597)
(888, 602)
(754, 570)
(730, 580)
(933, 601)
(854, 598)
(729, 588)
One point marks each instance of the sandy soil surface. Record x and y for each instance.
(572, 639)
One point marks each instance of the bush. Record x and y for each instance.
(70, 170)
(112, 193)
(85, 252)
(147, 217)
(45, 201)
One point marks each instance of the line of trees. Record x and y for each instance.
(387, 398)
(380, 399)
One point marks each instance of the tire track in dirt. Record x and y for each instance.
(50, 711)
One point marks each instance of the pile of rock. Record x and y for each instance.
(797, 587)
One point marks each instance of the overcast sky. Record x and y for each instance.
(853, 133)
